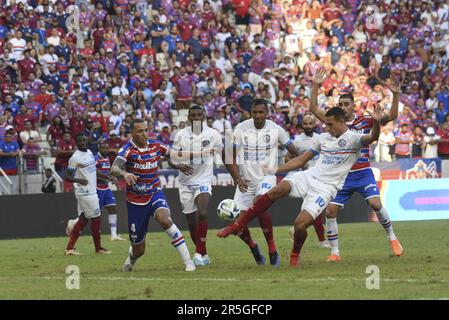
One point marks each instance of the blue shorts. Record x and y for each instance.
(106, 198)
(362, 182)
(139, 216)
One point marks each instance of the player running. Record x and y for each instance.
(137, 163)
(255, 143)
(82, 172)
(303, 142)
(195, 178)
(105, 196)
(339, 149)
(360, 179)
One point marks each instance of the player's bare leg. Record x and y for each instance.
(261, 205)
(384, 220)
(191, 221)
(302, 222)
(319, 230)
(112, 219)
(332, 232)
(202, 201)
(245, 236)
(162, 216)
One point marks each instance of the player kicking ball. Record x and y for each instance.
(360, 178)
(339, 149)
(105, 196)
(256, 142)
(137, 162)
(195, 178)
(82, 172)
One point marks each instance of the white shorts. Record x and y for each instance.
(316, 194)
(188, 194)
(89, 205)
(244, 200)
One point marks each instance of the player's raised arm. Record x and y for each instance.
(297, 162)
(318, 79)
(376, 114)
(395, 88)
(118, 170)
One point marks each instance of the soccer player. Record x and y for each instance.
(195, 178)
(105, 196)
(137, 163)
(339, 149)
(303, 142)
(360, 179)
(82, 172)
(255, 143)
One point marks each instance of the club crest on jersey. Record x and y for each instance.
(206, 143)
(266, 138)
(342, 142)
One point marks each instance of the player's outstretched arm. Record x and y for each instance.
(233, 169)
(296, 162)
(318, 80)
(376, 114)
(395, 88)
(118, 170)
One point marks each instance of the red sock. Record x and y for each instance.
(300, 238)
(95, 228)
(246, 237)
(201, 233)
(261, 205)
(267, 228)
(319, 229)
(76, 232)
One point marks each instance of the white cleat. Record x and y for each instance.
(73, 252)
(70, 225)
(325, 244)
(127, 267)
(190, 266)
(198, 260)
(117, 238)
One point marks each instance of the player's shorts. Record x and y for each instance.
(139, 216)
(188, 194)
(362, 181)
(106, 198)
(244, 200)
(89, 205)
(315, 193)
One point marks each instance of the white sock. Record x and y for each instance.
(332, 235)
(112, 218)
(178, 242)
(384, 220)
(131, 259)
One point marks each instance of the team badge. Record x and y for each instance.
(266, 138)
(342, 142)
(206, 143)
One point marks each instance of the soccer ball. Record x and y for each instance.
(228, 210)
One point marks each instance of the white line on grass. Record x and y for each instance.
(226, 279)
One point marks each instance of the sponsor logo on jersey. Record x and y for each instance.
(145, 166)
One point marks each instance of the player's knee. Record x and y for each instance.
(202, 215)
(331, 212)
(138, 251)
(280, 191)
(375, 204)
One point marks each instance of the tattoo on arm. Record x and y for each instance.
(118, 167)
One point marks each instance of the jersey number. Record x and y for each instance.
(133, 227)
(266, 186)
(204, 189)
(320, 201)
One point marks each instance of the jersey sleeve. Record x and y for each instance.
(177, 145)
(165, 150)
(357, 140)
(315, 147)
(283, 137)
(124, 152)
(73, 162)
(237, 138)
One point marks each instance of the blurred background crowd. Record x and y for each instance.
(73, 66)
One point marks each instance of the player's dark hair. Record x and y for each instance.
(136, 121)
(337, 113)
(347, 95)
(258, 102)
(195, 107)
(79, 135)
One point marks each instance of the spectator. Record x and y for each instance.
(403, 140)
(63, 151)
(384, 145)
(115, 143)
(28, 133)
(430, 143)
(221, 124)
(31, 153)
(9, 151)
(49, 185)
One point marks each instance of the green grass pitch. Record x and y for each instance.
(35, 268)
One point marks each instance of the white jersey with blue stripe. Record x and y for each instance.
(337, 156)
(258, 147)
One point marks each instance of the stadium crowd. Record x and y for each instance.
(131, 59)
